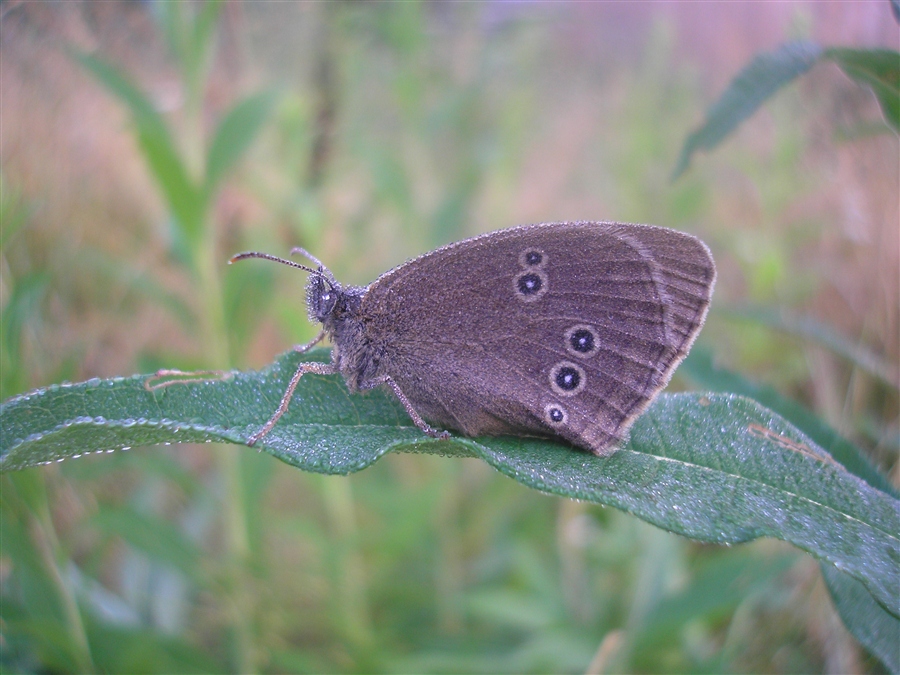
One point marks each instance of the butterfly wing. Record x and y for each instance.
(565, 329)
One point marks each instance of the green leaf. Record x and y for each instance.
(756, 83)
(717, 468)
(812, 329)
(701, 370)
(877, 68)
(189, 30)
(875, 628)
(37, 590)
(22, 306)
(845, 590)
(183, 198)
(125, 649)
(734, 575)
(14, 213)
(156, 537)
(113, 272)
(234, 135)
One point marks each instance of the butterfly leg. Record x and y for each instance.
(302, 369)
(302, 349)
(426, 428)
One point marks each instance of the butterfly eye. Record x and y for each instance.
(327, 300)
(321, 298)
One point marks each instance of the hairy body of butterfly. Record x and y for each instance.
(563, 330)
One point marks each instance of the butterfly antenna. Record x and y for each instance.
(309, 256)
(274, 258)
(297, 250)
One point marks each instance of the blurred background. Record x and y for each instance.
(369, 133)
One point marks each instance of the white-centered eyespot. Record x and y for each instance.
(567, 378)
(532, 257)
(582, 341)
(530, 284)
(555, 415)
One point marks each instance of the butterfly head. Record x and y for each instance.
(322, 295)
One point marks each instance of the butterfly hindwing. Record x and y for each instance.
(565, 329)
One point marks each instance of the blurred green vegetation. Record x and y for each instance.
(369, 134)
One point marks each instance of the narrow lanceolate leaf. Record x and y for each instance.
(234, 135)
(812, 329)
(704, 374)
(878, 69)
(871, 624)
(876, 629)
(755, 84)
(717, 468)
(156, 142)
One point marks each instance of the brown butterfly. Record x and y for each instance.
(562, 330)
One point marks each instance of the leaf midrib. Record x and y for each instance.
(756, 481)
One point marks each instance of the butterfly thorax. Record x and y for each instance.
(337, 308)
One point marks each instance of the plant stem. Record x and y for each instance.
(449, 564)
(228, 459)
(207, 266)
(354, 612)
(44, 535)
(239, 559)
